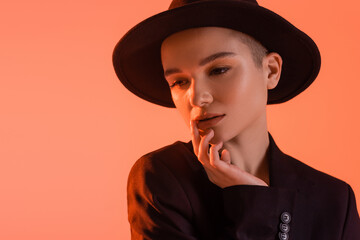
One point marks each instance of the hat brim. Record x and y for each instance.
(137, 59)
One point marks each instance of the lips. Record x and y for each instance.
(208, 121)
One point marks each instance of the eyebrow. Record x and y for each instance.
(204, 61)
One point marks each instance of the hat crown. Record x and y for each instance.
(141, 46)
(180, 3)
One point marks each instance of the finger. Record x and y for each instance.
(195, 136)
(214, 153)
(225, 156)
(204, 147)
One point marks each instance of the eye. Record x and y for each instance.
(178, 82)
(219, 70)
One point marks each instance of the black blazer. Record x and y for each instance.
(170, 197)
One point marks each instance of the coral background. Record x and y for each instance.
(70, 132)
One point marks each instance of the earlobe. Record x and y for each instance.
(273, 64)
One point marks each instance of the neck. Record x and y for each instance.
(248, 150)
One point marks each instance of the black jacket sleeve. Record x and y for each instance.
(254, 212)
(159, 208)
(352, 222)
(157, 205)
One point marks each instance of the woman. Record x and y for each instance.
(220, 62)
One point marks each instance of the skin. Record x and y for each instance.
(230, 85)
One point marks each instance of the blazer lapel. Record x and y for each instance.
(285, 171)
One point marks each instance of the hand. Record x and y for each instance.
(220, 171)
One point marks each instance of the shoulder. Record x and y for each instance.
(170, 150)
(323, 194)
(287, 171)
(170, 156)
(172, 162)
(317, 176)
(152, 170)
(320, 182)
(155, 195)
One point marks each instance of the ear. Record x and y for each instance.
(272, 64)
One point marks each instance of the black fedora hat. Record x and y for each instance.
(137, 59)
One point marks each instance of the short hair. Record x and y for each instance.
(258, 51)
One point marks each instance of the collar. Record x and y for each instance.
(284, 170)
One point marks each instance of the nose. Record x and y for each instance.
(199, 93)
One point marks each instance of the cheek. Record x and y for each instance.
(232, 88)
(244, 91)
(183, 107)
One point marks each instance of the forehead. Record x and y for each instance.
(200, 42)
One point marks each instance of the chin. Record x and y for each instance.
(217, 138)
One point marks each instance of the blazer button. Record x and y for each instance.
(285, 217)
(285, 228)
(283, 236)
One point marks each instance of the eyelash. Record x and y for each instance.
(222, 70)
(214, 71)
(178, 83)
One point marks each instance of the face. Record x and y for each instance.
(213, 79)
